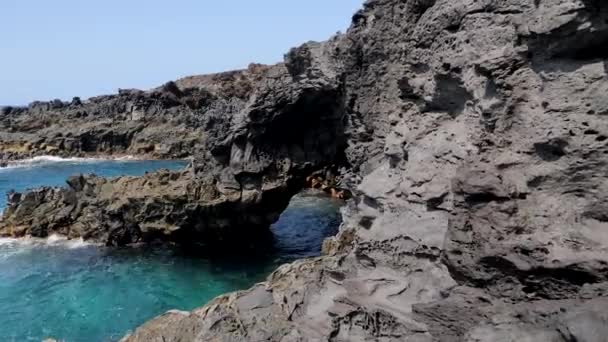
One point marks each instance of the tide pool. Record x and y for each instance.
(74, 292)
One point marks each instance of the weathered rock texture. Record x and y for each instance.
(254, 139)
(477, 140)
(166, 122)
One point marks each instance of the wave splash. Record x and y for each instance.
(53, 240)
(45, 160)
(10, 247)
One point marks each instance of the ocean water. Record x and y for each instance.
(73, 291)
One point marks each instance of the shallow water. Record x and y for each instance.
(72, 291)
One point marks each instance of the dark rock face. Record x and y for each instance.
(477, 148)
(250, 156)
(474, 137)
(163, 206)
(167, 122)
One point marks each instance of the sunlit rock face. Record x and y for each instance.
(255, 137)
(476, 144)
(473, 136)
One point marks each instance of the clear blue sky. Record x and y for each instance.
(64, 48)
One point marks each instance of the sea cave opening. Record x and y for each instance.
(56, 284)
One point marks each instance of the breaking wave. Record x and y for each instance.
(46, 160)
(53, 240)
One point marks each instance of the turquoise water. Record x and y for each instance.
(72, 291)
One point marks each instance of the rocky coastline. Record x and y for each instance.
(161, 123)
(256, 137)
(473, 136)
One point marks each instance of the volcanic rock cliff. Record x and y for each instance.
(162, 123)
(474, 136)
(254, 138)
(477, 142)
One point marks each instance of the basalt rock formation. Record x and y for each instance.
(478, 154)
(166, 122)
(473, 135)
(254, 140)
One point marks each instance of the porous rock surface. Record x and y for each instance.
(253, 140)
(474, 137)
(477, 144)
(165, 122)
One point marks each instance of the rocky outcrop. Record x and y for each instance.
(166, 122)
(477, 151)
(252, 149)
(163, 206)
(472, 134)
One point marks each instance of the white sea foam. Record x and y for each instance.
(53, 240)
(46, 160)
(7, 241)
(79, 243)
(10, 247)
